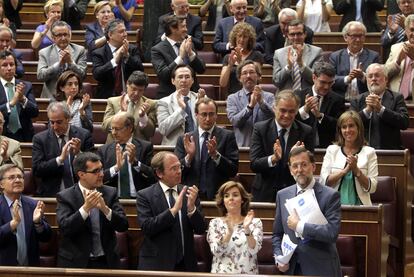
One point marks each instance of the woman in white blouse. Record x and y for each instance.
(315, 14)
(349, 165)
(236, 237)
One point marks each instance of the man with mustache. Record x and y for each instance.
(316, 252)
(383, 112)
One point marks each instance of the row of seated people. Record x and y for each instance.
(82, 246)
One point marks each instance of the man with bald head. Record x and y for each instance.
(126, 161)
(383, 112)
(181, 9)
(221, 42)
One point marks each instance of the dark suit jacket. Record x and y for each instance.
(369, 10)
(212, 17)
(333, 105)
(8, 242)
(13, 14)
(162, 58)
(316, 254)
(25, 134)
(93, 31)
(159, 248)
(394, 118)
(45, 150)
(73, 14)
(143, 175)
(76, 233)
(223, 33)
(340, 60)
(274, 40)
(104, 72)
(216, 174)
(269, 180)
(193, 29)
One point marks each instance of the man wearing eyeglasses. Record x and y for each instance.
(88, 214)
(55, 148)
(209, 154)
(350, 63)
(62, 55)
(22, 224)
(181, 9)
(320, 106)
(292, 64)
(127, 159)
(169, 214)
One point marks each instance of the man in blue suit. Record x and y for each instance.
(350, 63)
(316, 252)
(250, 104)
(22, 225)
(221, 42)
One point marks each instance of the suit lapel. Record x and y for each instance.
(196, 137)
(293, 136)
(159, 198)
(5, 209)
(326, 103)
(345, 60)
(28, 219)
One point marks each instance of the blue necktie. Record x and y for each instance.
(14, 122)
(203, 168)
(96, 233)
(67, 168)
(124, 177)
(21, 241)
(179, 253)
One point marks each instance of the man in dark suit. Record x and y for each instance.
(365, 13)
(22, 225)
(125, 157)
(209, 154)
(316, 252)
(276, 35)
(74, 11)
(272, 141)
(55, 148)
(17, 102)
(115, 61)
(320, 106)
(221, 42)
(175, 50)
(88, 214)
(169, 214)
(181, 9)
(350, 63)
(383, 112)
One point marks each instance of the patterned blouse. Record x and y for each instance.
(235, 256)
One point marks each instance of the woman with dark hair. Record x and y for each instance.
(243, 40)
(349, 165)
(236, 237)
(69, 89)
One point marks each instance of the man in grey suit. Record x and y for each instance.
(62, 55)
(250, 104)
(292, 64)
(350, 63)
(316, 252)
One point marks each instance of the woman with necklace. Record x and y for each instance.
(236, 237)
(349, 165)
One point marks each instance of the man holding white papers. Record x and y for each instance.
(315, 253)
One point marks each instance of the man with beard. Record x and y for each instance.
(383, 112)
(316, 252)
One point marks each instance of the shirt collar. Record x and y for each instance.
(172, 42)
(201, 131)
(235, 21)
(353, 55)
(113, 48)
(84, 190)
(66, 134)
(310, 186)
(10, 202)
(165, 188)
(280, 127)
(4, 82)
(314, 93)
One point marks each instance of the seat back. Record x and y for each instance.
(347, 254)
(122, 245)
(210, 90)
(151, 91)
(203, 253)
(208, 56)
(99, 135)
(156, 139)
(29, 183)
(269, 88)
(265, 257)
(48, 251)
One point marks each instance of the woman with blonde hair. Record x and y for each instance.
(349, 165)
(236, 237)
(43, 34)
(242, 41)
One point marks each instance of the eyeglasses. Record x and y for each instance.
(204, 115)
(58, 122)
(355, 36)
(248, 73)
(177, 168)
(296, 34)
(95, 171)
(13, 177)
(301, 165)
(117, 129)
(64, 35)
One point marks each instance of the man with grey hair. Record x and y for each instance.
(383, 112)
(394, 31)
(399, 64)
(6, 43)
(272, 141)
(350, 63)
(55, 148)
(115, 61)
(62, 55)
(276, 35)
